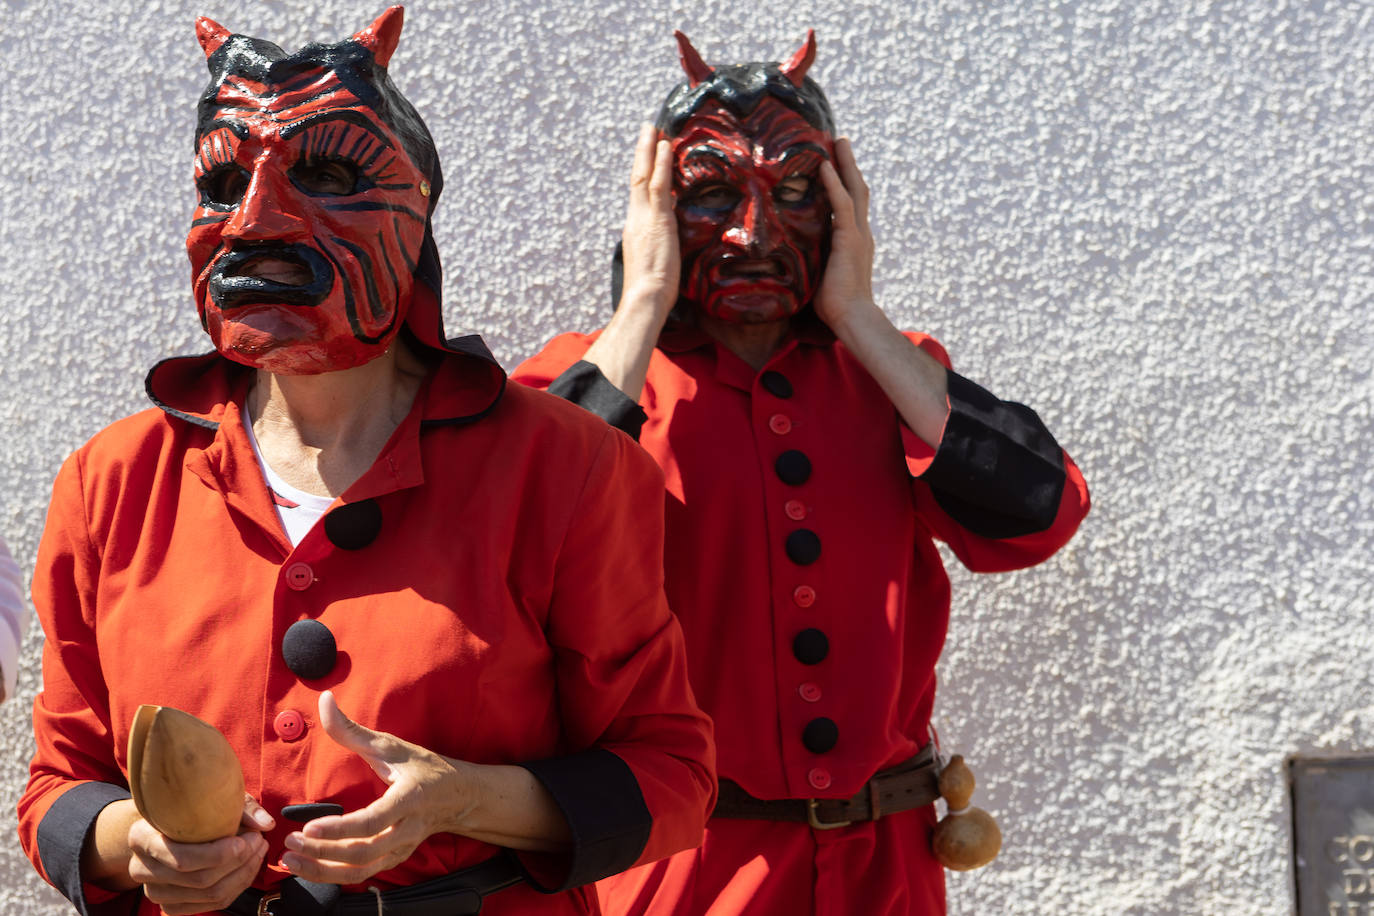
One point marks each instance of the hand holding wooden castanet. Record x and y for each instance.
(184, 776)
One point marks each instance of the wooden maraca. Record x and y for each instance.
(184, 776)
(966, 838)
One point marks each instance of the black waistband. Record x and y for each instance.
(457, 894)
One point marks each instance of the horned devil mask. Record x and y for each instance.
(753, 218)
(311, 241)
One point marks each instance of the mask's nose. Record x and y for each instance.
(756, 228)
(266, 211)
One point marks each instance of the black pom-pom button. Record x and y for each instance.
(793, 467)
(776, 383)
(810, 646)
(803, 547)
(820, 735)
(309, 649)
(354, 525)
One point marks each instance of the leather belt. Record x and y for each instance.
(457, 894)
(908, 785)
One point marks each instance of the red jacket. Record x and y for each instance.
(802, 521)
(509, 609)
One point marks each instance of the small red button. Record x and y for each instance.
(289, 725)
(299, 576)
(804, 595)
(811, 693)
(819, 779)
(780, 423)
(795, 509)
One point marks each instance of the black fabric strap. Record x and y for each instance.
(600, 797)
(63, 832)
(998, 471)
(585, 385)
(458, 894)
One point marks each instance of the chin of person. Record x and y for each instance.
(276, 339)
(754, 308)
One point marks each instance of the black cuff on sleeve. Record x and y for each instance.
(584, 385)
(63, 832)
(998, 472)
(600, 797)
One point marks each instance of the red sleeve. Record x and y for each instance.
(73, 774)
(998, 488)
(622, 678)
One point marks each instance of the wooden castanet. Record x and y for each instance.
(184, 776)
(966, 838)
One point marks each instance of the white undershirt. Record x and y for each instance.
(297, 509)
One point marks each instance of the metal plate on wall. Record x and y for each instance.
(1333, 834)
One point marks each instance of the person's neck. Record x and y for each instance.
(321, 432)
(753, 343)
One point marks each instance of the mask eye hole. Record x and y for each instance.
(717, 197)
(795, 189)
(326, 177)
(224, 186)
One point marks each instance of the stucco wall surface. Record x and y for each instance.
(1153, 221)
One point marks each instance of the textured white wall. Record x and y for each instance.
(1152, 220)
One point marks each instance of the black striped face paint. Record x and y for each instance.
(312, 211)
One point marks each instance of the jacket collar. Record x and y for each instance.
(466, 385)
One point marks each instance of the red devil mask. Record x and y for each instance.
(753, 219)
(316, 182)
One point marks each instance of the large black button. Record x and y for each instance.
(810, 646)
(820, 735)
(777, 384)
(803, 547)
(354, 525)
(309, 649)
(793, 467)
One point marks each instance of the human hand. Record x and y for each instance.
(847, 286)
(186, 878)
(649, 241)
(426, 793)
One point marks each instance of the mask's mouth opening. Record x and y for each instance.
(770, 270)
(271, 273)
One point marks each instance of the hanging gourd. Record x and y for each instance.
(965, 838)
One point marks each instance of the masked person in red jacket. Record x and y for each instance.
(813, 455)
(342, 509)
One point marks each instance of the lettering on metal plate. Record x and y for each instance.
(1333, 834)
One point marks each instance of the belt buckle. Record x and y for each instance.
(265, 903)
(811, 805)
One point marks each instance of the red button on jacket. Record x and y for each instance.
(299, 576)
(289, 725)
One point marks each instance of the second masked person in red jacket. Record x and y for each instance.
(813, 455)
